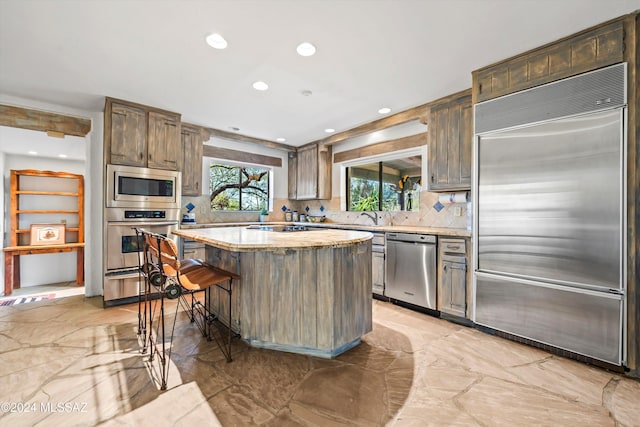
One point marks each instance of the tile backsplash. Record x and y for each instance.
(427, 215)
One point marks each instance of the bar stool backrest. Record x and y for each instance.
(166, 250)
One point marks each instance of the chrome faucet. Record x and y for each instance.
(373, 217)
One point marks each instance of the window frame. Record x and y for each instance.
(210, 161)
(389, 156)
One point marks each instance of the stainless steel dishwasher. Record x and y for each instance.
(411, 269)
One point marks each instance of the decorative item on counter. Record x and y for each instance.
(294, 216)
(303, 217)
(189, 217)
(316, 218)
(288, 216)
(263, 214)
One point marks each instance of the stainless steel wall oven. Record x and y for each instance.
(136, 197)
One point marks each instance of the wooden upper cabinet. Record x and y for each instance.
(307, 175)
(450, 144)
(191, 165)
(292, 167)
(137, 135)
(164, 141)
(313, 173)
(585, 51)
(128, 135)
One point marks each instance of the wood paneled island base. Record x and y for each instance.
(306, 292)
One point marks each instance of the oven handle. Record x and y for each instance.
(145, 223)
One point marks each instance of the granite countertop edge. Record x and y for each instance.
(242, 239)
(414, 229)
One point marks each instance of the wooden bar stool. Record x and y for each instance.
(189, 277)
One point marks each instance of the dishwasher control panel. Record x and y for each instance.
(408, 237)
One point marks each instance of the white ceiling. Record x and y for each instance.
(371, 54)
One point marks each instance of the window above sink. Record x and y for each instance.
(390, 182)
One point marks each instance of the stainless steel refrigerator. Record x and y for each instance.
(550, 185)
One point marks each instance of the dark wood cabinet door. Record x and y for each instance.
(164, 141)
(128, 136)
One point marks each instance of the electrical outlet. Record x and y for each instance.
(457, 211)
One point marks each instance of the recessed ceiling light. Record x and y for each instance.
(329, 130)
(384, 110)
(33, 153)
(306, 49)
(62, 156)
(306, 93)
(260, 85)
(216, 41)
(281, 139)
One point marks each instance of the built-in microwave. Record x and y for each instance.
(136, 187)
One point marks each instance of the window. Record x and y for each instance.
(236, 188)
(399, 180)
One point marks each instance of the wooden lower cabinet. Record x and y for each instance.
(309, 301)
(452, 277)
(377, 263)
(377, 274)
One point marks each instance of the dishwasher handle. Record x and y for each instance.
(410, 237)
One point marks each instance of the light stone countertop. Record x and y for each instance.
(245, 239)
(440, 231)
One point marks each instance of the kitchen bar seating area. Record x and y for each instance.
(166, 277)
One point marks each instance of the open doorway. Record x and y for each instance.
(42, 276)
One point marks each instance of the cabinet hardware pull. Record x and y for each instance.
(433, 178)
(453, 247)
(444, 268)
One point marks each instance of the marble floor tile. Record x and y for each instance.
(497, 402)
(411, 370)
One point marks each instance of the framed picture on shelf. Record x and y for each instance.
(47, 234)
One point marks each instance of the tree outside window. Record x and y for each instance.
(235, 188)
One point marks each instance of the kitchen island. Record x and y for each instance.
(305, 292)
